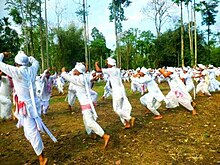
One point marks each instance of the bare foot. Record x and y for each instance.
(158, 117)
(132, 121)
(44, 161)
(127, 125)
(193, 104)
(106, 139)
(194, 112)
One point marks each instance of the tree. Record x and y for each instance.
(180, 3)
(190, 23)
(9, 38)
(208, 11)
(129, 39)
(26, 14)
(117, 14)
(166, 49)
(98, 47)
(69, 47)
(158, 11)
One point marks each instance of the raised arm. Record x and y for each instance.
(165, 73)
(97, 68)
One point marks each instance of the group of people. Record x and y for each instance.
(31, 93)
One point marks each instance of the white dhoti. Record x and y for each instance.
(151, 103)
(122, 108)
(45, 106)
(71, 97)
(203, 87)
(5, 107)
(32, 134)
(90, 123)
(176, 97)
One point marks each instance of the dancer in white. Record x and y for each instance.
(178, 93)
(204, 81)
(121, 105)
(27, 114)
(84, 97)
(6, 88)
(47, 80)
(214, 84)
(152, 99)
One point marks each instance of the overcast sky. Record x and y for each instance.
(99, 16)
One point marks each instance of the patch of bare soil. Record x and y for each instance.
(178, 138)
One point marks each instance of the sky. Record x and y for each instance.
(99, 17)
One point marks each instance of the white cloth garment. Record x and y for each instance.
(154, 96)
(121, 105)
(5, 98)
(26, 112)
(88, 111)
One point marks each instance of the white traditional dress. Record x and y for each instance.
(26, 102)
(47, 90)
(121, 104)
(84, 97)
(152, 99)
(5, 97)
(178, 93)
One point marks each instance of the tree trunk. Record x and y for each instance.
(195, 35)
(190, 37)
(117, 38)
(182, 35)
(46, 35)
(41, 40)
(31, 33)
(85, 31)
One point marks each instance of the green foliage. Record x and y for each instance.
(117, 12)
(136, 46)
(69, 47)
(98, 49)
(215, 56)
(9, 38)
(167, 47)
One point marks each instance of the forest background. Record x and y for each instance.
(182, 44)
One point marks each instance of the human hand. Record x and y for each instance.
(6, 54)
(63, 69)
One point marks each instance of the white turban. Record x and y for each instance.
(21, 58)
(144, 70)
(80, 67)
(111, 61)
(201, 66)
(93, 71)
(138, 69)
(170, 69)
(185, 69)
(211, 66)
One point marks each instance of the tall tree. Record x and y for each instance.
(208, 11)
(25, 13)
(129, 38)
(189, 6)
(117, 15)
(158, 11)
(69, 47)
(9, 38)
(180, 3)
(98, 47)
(195, 33)
(82, 13)
(41, 37)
